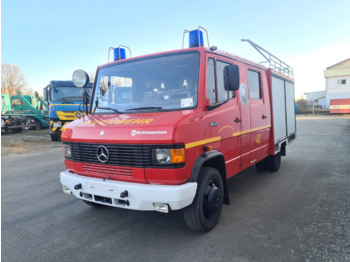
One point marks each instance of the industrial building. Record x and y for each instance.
(338, 87)
(318, 97)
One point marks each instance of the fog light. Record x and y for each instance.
(66, 190)
(164, 208)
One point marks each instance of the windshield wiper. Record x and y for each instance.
(158, 108)
(109, 108)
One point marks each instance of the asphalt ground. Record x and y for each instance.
(300, 213)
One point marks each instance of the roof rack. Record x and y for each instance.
(274, 62)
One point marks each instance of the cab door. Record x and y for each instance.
(223, 114)
(258, 115)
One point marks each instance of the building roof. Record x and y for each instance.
(335, 65)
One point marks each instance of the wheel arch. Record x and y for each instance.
(213, 159)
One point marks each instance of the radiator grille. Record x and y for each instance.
(107, 170)
(119, 155)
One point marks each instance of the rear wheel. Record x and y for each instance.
(261, 166)
(274, 162)
(203, 214)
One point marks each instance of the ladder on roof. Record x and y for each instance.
(274, 62)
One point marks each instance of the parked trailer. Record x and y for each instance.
(23, 108)
(165, 131)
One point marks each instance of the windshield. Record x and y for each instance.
(160, 83)
(68, 94)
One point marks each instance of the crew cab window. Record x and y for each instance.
(254, 84)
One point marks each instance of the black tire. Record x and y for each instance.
(37, 125)
(54, 137)
(204, 213)
(92, 204)
(261, 166)
(17, 130)
(274, 162)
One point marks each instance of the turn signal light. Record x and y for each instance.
(177, 155)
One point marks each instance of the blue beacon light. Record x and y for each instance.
(194, 41)
(119, 53)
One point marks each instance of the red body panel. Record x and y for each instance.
(340, 106)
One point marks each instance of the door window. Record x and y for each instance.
(254, 85)
(211, 90)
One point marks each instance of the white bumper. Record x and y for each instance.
(140, 196)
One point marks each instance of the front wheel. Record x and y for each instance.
(54, 137)
(203, 214)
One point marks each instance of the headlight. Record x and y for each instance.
(163, 156)
(80, 78)
(169, 155)
(67, 150)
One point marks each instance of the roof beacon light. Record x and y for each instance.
(119, 52)
(196, 38)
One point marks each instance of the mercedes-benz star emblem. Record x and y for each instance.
(102, 154)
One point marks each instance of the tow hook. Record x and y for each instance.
(77, 187)
(125, 194)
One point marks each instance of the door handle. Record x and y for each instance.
(237, 120)
(264, 117)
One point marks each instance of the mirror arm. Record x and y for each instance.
(212, 107)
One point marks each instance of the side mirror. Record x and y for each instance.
(46, 93)
(231, 76)
(80, 78)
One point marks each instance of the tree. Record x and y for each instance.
(12, 79)
(92, 77)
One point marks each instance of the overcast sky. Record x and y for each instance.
(48, 40)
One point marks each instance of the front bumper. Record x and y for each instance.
(139, 196)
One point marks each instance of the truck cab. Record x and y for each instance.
(18, 105)
(65, 105)
(165, 132)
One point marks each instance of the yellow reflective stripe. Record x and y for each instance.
(203, 142)
(218, 138)
(251, 130)
(64, 115)
(54, 129)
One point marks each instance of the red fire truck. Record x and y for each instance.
(165, 131)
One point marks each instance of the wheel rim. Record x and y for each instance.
(211, 202)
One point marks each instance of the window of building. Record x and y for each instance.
(254, 85)
(341, 82)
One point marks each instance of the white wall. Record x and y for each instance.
(335, 90)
